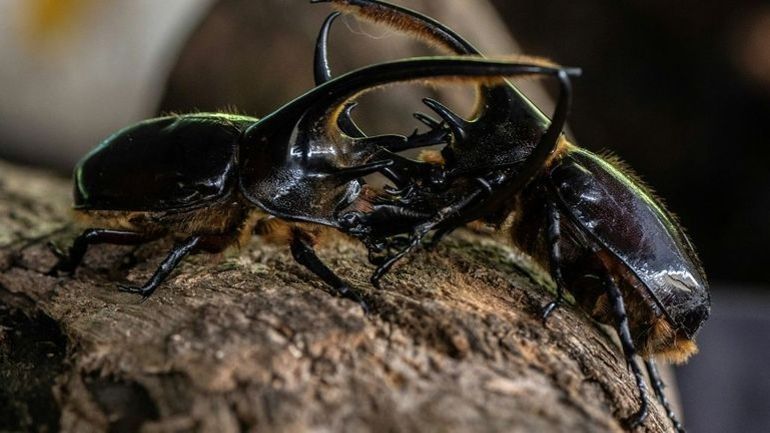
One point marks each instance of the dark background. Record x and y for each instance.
(681, 90)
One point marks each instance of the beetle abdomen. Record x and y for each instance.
(167, 163)
(625, 219)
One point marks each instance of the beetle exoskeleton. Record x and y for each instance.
(600, 231)
(208, 179)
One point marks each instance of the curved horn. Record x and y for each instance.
(322, 73)
(332, 95)
(435, 33)
(321, 70)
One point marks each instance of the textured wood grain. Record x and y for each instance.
(251, 341)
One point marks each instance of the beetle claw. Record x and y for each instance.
(638, 418)
(53, 248)
(348, 293)
(138, 290)
(62, 263)
(548, 309)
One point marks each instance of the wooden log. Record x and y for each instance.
(252, 341)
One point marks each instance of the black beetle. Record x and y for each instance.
(209, 179)
(596, 226)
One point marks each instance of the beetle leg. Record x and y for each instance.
(624, 333)
(385, 266)
(70, 261)
(304, 254)
(658, 386)
(347, 174)
(423, 229)
(180, 251)
(554, 237)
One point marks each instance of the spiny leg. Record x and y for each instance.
(395, 143)
(444, 215)
(624, 333)
(385, 266)
(69, 262)
(554, 237)
(304, 254)
(177, 253)
(658, 386)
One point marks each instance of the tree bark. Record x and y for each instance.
(254, 342)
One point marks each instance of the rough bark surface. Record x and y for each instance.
(254, 342)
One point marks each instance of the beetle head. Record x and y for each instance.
(506, 131)
(296, 163)
(518, 123)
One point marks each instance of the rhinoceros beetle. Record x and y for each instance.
(211, 179)
(602, 233)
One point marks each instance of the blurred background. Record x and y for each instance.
(680, 90)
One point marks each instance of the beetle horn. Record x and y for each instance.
(330, 98)
(321, 70)
(500, 101)
(499, 96)
(456, 123)
(427, 120)
(299, 146)
(322, 73)
(309, 120)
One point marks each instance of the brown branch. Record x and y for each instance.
(253, 342)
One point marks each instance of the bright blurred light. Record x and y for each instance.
(75, 70)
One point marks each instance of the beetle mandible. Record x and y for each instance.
(599, 230)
